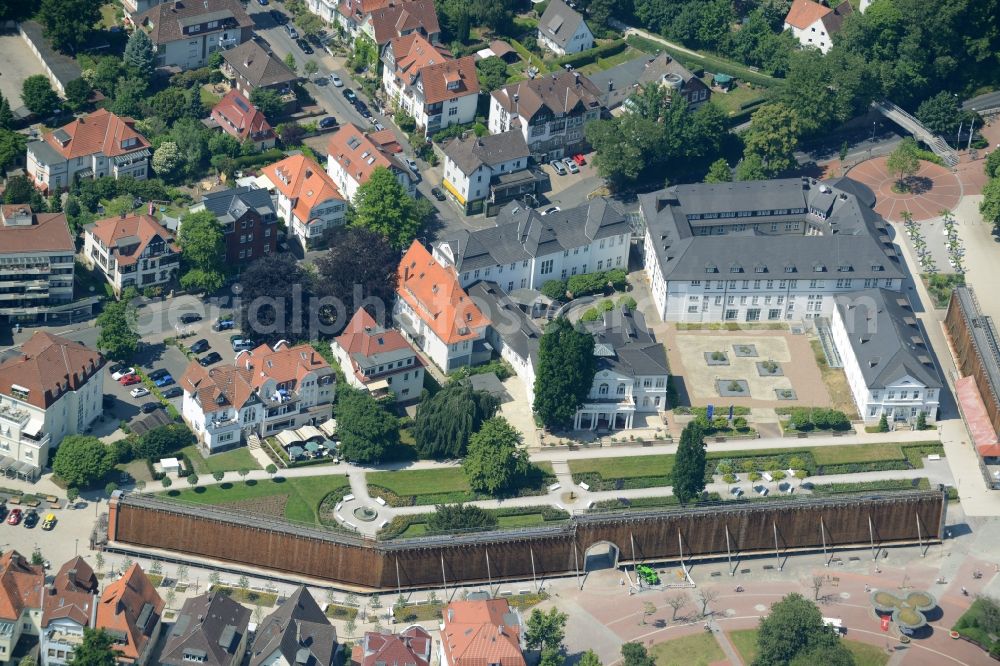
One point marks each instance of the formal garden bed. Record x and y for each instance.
(785, 394)
(246, 596)
(732, 388)
(716, 358)
(869, 486)
(769, 369)
(745, 351)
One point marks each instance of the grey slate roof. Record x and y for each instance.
(621, 81)
(560, 93)
(210, 627)
(230, 205)
(559, 22)
(44, 153)
(166, 21)
(472, 152)
(622, 343)
(886, 338)
(257, 66)
(523, 233)
(514, 327)
(63, 67)
(299, 631)
(851, 242)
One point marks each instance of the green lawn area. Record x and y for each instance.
(303, 495)
(426, 486)
(607, 63)
(624, 468)
(209, 98)
(745, 642)
(230, 461)
(839, 455)
(731, 101)
(694, 650)
(108, 18)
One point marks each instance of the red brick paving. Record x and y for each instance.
(943, 192)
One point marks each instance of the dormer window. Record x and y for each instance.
(129, 142)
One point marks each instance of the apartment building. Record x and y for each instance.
(525, 249)
(210, 629)
(378, 360)
(132, 250)
(549, 110)
(185, 33)
(49, 388)
(267, 390)
(249, 222)
(352, 156)
(94, 146)
(237, 117)
(382, 20)
(308, 200)
(482, 173)
(562, 30)
(775, 250)
(427, 84)
(36, 264)
(619, 83)
(434, 312)
(69, 606)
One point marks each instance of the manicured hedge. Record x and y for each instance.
(593, 283)
(400, 524)
(592, 55)
(866, 486)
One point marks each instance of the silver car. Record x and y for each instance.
(558, 166)
(571, 165)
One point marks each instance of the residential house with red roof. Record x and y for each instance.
(132, 250)
(428, 84)
(49, 388)
(69, 606)
(96, 145)
(185, 33)
(481, 633)
(36, 265)
(814, 24)
(436, 314)
(21, 589)
(410, 647)
(352, 156)
(237, 117)
(308, 200)
(131, 611)
(265, 391)
(378, 359)
(382, 20)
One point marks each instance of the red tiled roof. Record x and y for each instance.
(411, 647)
(20, 585)
(72, 594)
(282, 363)
(217, 388)
(49, 232)
(396, 17)
(804, 13)
(241, 119)
(434, 293)
(386, 140)
(411, 54)
(99, 132)
(459, 74)
(365, 338)
(477, 633)
(114, 230)
(358, 153)
(306, 183)
(48, 366)
(121, 606)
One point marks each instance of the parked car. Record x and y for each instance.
(438, 194)
(241, 344)
(736, 491)
(3, 512)
(279, 17)
(558, 166)
(200, 347)
(328, 122)
(571, 165)
(156, 374)
(551, 209)
(122, 372)
(336, 81)
(378, 126)
(150, 407)
(31, 519)
(14, 518)
(263, 43)
(349, 95)
(165, 380)
(172, 392)
(411, 163)
(263, 3)
(50, 519)
(117, 367)
(292, 32)
(209, 359)
(304, 45)
(190, 317)
(579, 159)
(128, 380)
(362, 108)
(139, 392)
(223, 324)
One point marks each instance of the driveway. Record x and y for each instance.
(18, 64)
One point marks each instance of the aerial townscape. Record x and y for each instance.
(497, 333)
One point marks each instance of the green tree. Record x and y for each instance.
(566, 371)
(545, 630)
(719, 172)
(6, 115)
(268, 102)
(992, 165)
(445, 421)
(38, 95)
(266, 304)
(492, 73)
(27, 661)
(20, 190)
(118, 339)
(494, 463)
(170, 104)
(12, 146)
(359, 268)
(751, 167)
(82, 460)
(161, 441)
(78, 92)
(904, 162)
(635, 654)
(130, 94)
(989, 207)
(883, 423)
(97, 649)
(290, 62)
(139, 54)
(793, 628)
(773, 136)
(203, 252)
(589, 658)
(383, 206)
(460, 517)
(620, 147)
(941, 114)
(367, 431)
(271, 470)
(310, 67)
(688, 474)
(365, 53)
(67, 23)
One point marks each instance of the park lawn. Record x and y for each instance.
(230, 461)
(422, 481)
(611, 61)
(304, 494)
(856, 453)
(695, 650)
(624, 468)
(745, 642)
(865, 654)
(208, 98)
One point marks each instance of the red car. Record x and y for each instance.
(580, 160)
(128, 380)
(15, 517)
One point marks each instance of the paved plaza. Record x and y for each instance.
(932, 189)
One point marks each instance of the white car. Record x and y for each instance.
(411, 163)
(139, 392)
(559, 167)
(551, 209)
(571, 165)
(121, 373)
(336, 81)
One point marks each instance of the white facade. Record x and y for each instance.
(433, 117)
(52, 172)
(448, 357)
(813, 35)
(325, 9)
(156, 265)
(348, 184)
(615, 397)
(547, 140)
(582, 40)
(61, 637)
(30, 624)
(476, 185)
(220, 429)
(325, 215)
(404, 377)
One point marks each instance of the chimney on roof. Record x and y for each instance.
(611, 85)
(576, 77)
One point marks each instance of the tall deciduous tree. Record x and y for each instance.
(273, 299)
(773, 137)
(546, 629)
(67, 23)
(903, 161)
(38, 95)
(382, 205)
(267, 102)
(167, 161)
(359, 270)
(688, 474)
(97, 649)
(78, 92)
(492, 73)
(367, 431)
(82, 460)
(446, 420)
(989, 207)
(6, 115)
(12, 146)
(635, 654)
(751, 167)
(460, 517)
(494, 463)
(794, 630)
(118, 339)
(202, 252)
(566, 371)
(139, 54)
(719, 172)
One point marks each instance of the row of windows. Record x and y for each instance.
(842, 283)
(745, 213)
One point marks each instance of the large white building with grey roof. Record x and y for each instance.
(491, 168)
(888, 363)
(775, 250)
(525, 249)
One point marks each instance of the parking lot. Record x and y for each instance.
(18, 64)
(69, 537)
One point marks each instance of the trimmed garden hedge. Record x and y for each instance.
(589, 56)
(400, 524)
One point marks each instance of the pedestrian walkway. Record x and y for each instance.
(256, 449)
